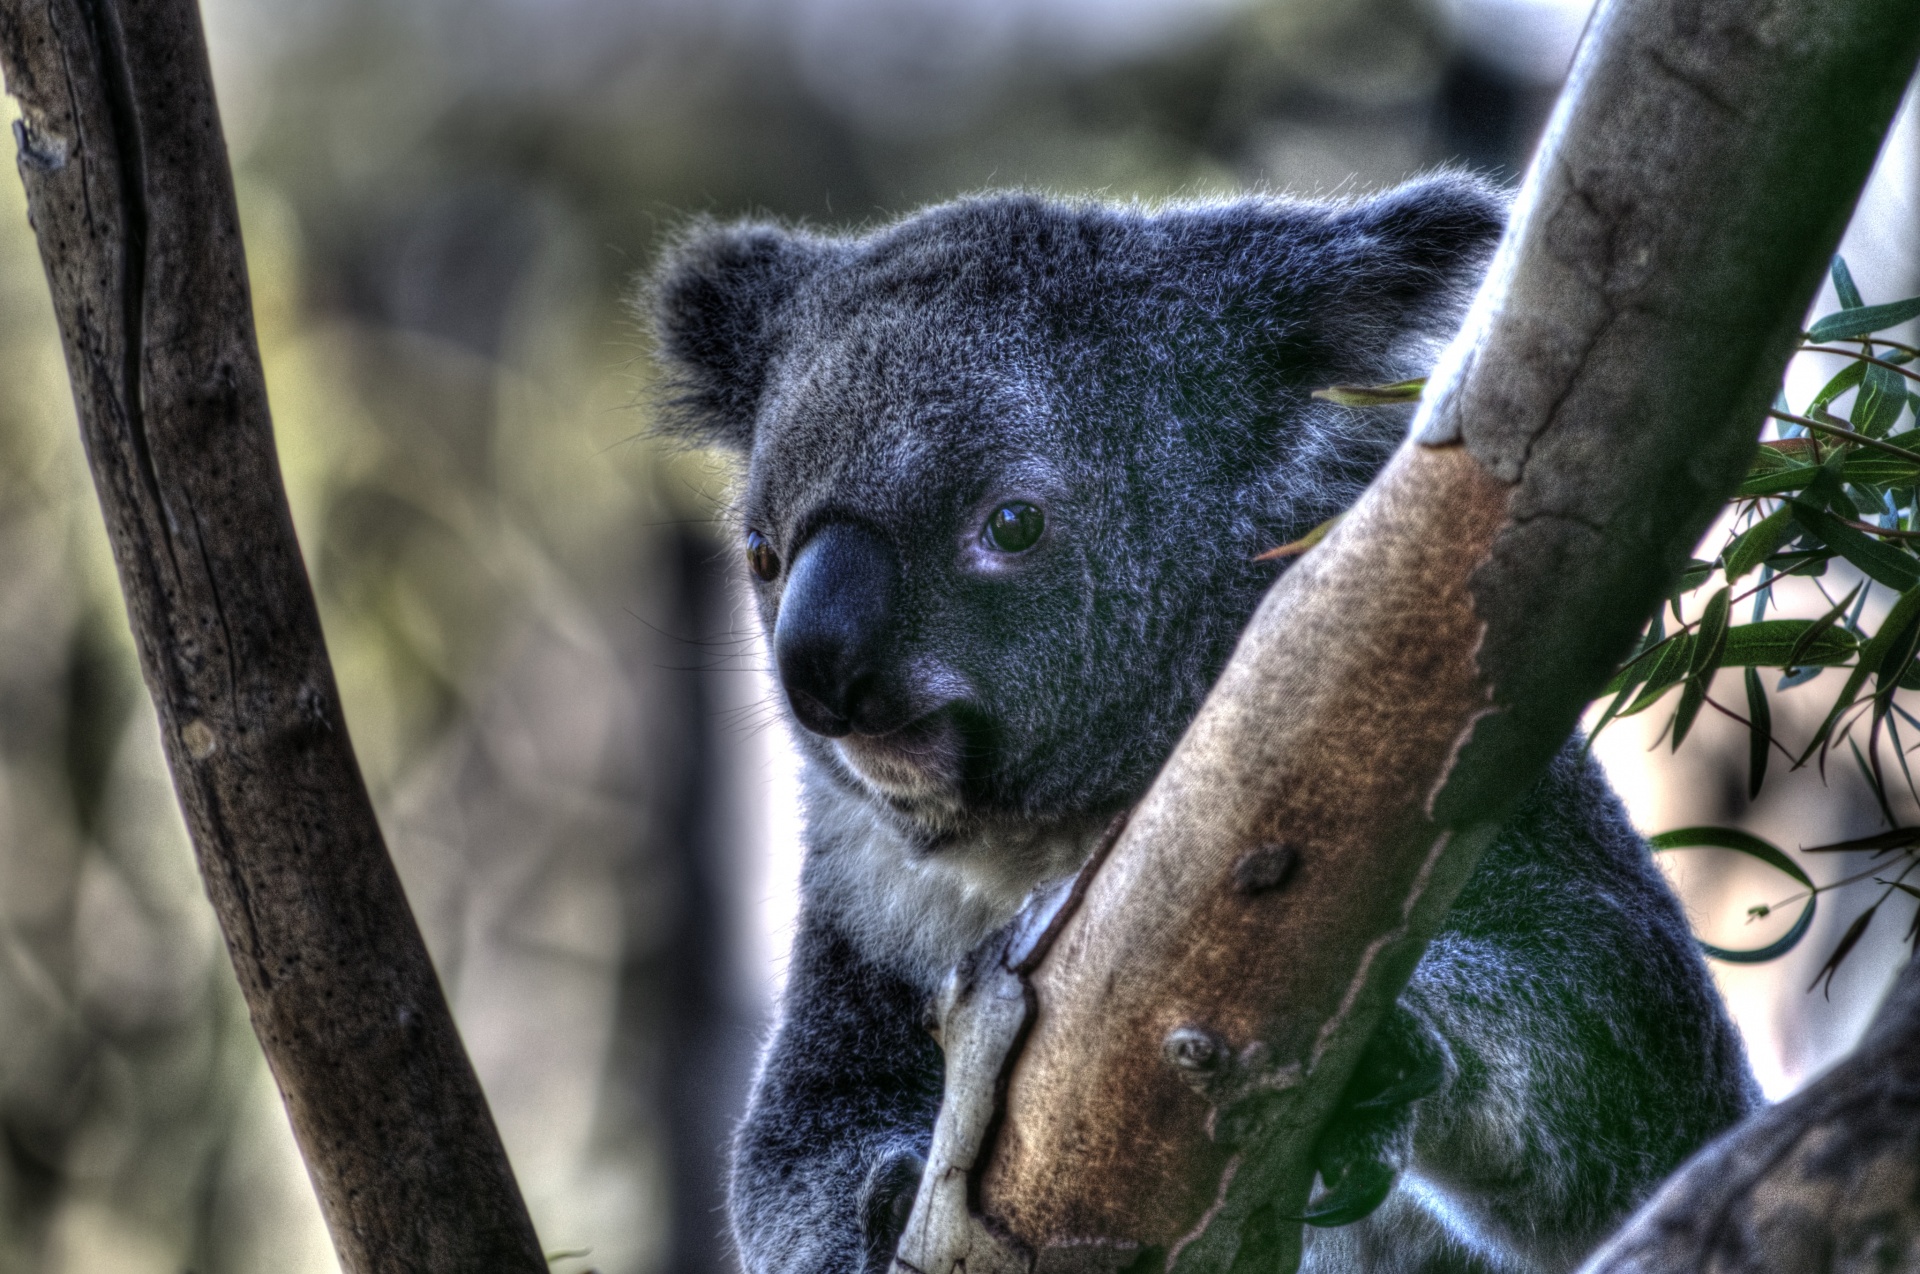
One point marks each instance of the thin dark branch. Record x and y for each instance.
(1858, 356)
(132, 201)
(1836, 431)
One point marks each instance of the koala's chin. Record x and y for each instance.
(917, 769)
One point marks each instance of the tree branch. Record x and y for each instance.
(129, 192)
(1141, 1073)
(1826, 1180)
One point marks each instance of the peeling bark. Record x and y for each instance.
(1185, 1036)
(128, 189)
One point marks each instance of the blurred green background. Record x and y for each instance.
(550, 681)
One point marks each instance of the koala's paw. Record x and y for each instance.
(886, 1201)
(1371, 1136)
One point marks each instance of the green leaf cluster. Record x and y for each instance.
(1839, 486)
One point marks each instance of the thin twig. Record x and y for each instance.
(1850, 435)
(1859, 357)
(1886, 531)
(1717, 706)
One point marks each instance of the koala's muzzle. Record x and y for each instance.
(833, 626)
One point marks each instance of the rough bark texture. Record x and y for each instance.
(129, 191)
(1160, 1058)
(1827, 1181)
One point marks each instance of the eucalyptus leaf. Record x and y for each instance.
(1359, 1190)
(1710, 638)
(1402, 391)
(1779, 453)
(1897, 660)
(1879, 843)
(1870, 469)
(1904, 611)
(1851, 323)
(1800, 562)
(1758, 542)
(1770, 643)
(1759, 733)
(1848, 940)
(1709, 645)
(1817, 630)
(1847, 378)
(1843, 284)
(1788, 643)
(1828, 490)
(1693, 575)
(1777, 481)
(1881, 401)
(1754, 847)
(1669, 666)
(1878, 561)
(1692, 695)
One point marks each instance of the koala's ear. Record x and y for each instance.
(1423, 246)
(1437, 223)
(717, 301)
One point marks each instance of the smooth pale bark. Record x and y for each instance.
(129, 191)
(1137, 1071)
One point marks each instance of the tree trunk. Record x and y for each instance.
(1828, 1180)
(129, 192)
(1140, 1066)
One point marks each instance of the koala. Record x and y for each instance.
(1009, 464)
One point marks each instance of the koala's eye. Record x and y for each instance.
(761, 559)
(1014, 528)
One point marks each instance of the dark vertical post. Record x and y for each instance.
(125, 166)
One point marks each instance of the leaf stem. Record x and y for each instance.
(1821, 889)
(1850, 435)
(1860, 357)
(1880, 340)
(1886, 531)
(1717, 706)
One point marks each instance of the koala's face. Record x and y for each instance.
(932, 578)
(1008, 463)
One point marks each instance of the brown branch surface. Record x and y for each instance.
(1141, 1085)
(129, 192)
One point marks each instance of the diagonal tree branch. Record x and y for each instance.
(129, 192)
(1137, 1071)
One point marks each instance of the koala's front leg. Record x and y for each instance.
(826, 1162)
(1369, 1142)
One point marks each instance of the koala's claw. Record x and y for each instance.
(1351, 1196)
(887, 1204)
(1424, 1078)
(1371, 1134)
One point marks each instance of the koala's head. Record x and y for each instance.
(1008, 461)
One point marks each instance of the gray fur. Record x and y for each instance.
(1143, 378)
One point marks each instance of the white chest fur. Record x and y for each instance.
(913, 908)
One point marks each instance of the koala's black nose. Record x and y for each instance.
(833, 622)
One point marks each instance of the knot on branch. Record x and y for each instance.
(1239, 1085)
(39, 152)
(1266, 868)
